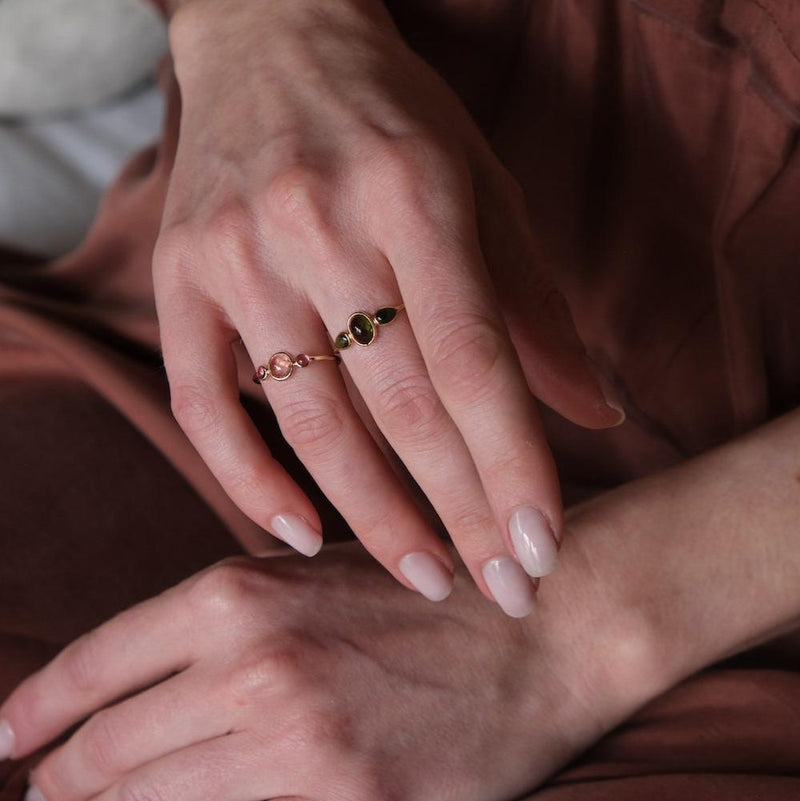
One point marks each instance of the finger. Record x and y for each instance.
(175, 714)
(393, 380)
(200, 364)
(138, 647)
(235, 767)
(473, 366)
(556, 365)
(319, 421)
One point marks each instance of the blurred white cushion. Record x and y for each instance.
(53, 172)
(58, 55)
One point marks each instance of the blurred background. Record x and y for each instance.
(77, 98)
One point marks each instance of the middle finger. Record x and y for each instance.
(391, 376)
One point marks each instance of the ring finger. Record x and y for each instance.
(318, 420)
(170, 716)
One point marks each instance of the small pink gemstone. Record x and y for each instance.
(261, 373)
(303, 360)
(280, 366)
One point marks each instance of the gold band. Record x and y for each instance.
(281, 365)
(362, 327)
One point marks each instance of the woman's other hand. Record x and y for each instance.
(276, 678)
(324, 169)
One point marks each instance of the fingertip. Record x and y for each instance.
(298, 533)
(427, 575)
(510, 586)
(7, 740)
(534, 541)
(612, 409)
(34, 794)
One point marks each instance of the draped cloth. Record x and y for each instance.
(657, 145)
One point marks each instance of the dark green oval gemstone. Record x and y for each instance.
(386, 315)
(342, 341)
(361, 328)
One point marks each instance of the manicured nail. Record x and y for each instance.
(510, 585)
(34, 794)
(534, 541)
(6, 740)
(610, 394)
(428, 575)
(294, 531)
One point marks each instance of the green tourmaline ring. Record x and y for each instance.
(362, 328)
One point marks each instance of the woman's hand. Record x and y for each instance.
(323, 169)
(276, 679)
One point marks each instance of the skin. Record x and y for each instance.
(334, 171)
(283, 681)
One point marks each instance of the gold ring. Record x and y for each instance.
(362, 327)
(281, 365)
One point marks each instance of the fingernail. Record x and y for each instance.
(534, 541)
(428, 575)
(510, 585)
(610, 394)
(34, 794)
(294, 531)
(6, 740)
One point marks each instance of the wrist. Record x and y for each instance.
(669, 574)
(603, 641)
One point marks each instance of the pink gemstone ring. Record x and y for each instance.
(281, 365)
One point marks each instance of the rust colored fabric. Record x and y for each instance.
(658, 147)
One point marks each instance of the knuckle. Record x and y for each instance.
(194, 408)
(101, 748)
(185, 26)
(297, 196)
(233, 235)
(409, 409)
(404, 168)
(80, 664)
(47, 779)
(245, 483)
(312, 425)
(226, 590)
(465, 356)
(232, 231)
(471, 525)
(173, 249)
(266, 671)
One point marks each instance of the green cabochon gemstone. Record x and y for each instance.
(361, 328)
(386, 315)
(342, 341)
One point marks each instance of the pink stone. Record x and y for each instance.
(302, 360)
(261, 373)
(281, 366)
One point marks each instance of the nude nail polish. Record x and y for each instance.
(34, 794)
(428, 575)
(510, 585)
(6, 740)
(534, 541)
(610, 394)
(294, 531)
